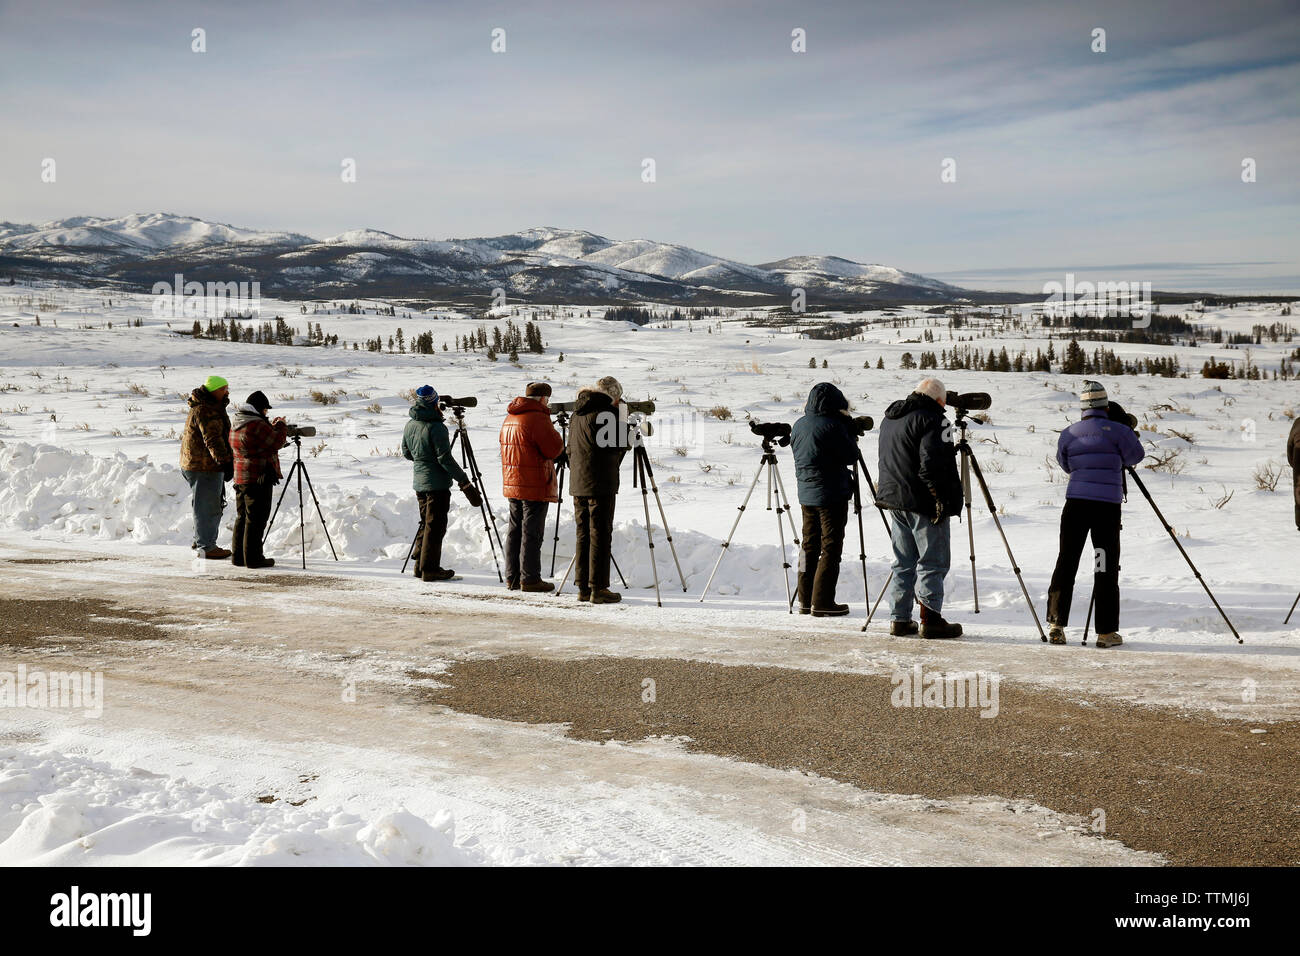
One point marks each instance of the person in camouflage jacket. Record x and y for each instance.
(207, 461)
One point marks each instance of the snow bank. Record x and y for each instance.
(61, 810)
(75, 494)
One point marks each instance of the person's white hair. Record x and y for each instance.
(934, 388)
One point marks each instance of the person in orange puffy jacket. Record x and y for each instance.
(530, 446)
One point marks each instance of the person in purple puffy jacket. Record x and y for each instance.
(1094, 451)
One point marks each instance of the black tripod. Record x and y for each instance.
(562, 418)
(643, 477)
(301, 470)
(775, 489)
(866, 472)
(1134, 475)
(470, 464)
(968, 464)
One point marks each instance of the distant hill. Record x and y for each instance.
(136, 251)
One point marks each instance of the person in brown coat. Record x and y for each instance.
(598, 439)
(207, 461)
(530, 446)
(1293, 457)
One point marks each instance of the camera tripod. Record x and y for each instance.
(775, 489)
(470, 464)
(562, 418)
(970, 464)
(1196, 573)
(643, 477)
(300, 469)
(1186, 557)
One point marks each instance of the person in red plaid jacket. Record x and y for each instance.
(256, 442)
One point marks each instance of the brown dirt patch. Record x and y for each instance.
(1198, 790)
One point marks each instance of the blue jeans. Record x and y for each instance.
(207, 497)
(921, 559)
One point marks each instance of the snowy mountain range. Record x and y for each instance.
(534, 264)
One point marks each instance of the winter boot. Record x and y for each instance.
(935, 628)
(216, 554)
(440, 574)
(1109, 640)
(833, 610)
(536, 587)
(903, 628)
(512, 584)
(1056, 635)
(584, 596)
(605, 596)
(823, 594)
(262, 563)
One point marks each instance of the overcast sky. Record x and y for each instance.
(1063, 156)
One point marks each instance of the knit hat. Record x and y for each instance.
(214, 383)
(427, 393)
(609, 386)
(538, 390)
(259, 401)
(1093, 395)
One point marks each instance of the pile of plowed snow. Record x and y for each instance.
(60, 810)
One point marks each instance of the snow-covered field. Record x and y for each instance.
(89, 419)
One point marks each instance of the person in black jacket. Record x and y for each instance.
(599, 437)
(824, 452)
(1293, 457)
(921, 489)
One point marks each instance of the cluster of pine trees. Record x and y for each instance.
(1075, 360)
(261, 333)
(511, 342)
(640, 316)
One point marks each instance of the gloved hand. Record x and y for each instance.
(563, 460)
(228, 471)
(472, 495)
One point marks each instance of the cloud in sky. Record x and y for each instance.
(1063, 155)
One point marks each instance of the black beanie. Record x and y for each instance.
(259, 401)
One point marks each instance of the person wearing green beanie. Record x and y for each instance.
(207, 461)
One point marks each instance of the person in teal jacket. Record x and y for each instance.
(426, 443)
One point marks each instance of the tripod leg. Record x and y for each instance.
(559, 505)
(470, 464)
(302, 517)
(572, 561)
(1184, 553)
(740, 513)
(411, 551)
(988, 500)
(1088, 621)
(668, 533)
(649, 530)
(966, 454)
(784, 501)
(862, 540)
(780, 532)
(267, 533)
(617, 569)
(1292, 611)
(319, 514)
(879, 597)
